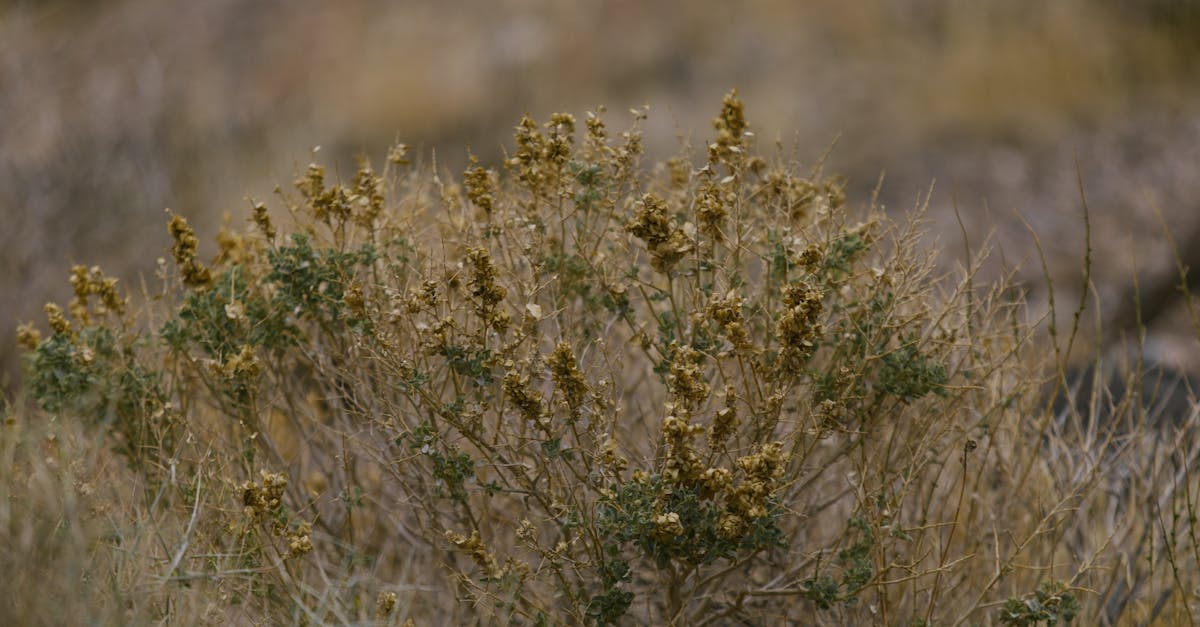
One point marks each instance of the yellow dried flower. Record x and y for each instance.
(561, 130)
(263, 220)
(89, 282)
(299, 542)
(669, 253)
(28, 337)
(527, 400)
(81, 285)
(667, 526)
(368, 195)
(526, 531)
(766, 464)
(58, 322)
(666, 244)
(480, 186)
(686, 376)
(731, 526)
(749, 499)
(610, 458)
(261, 499)
(711, 212)
(725, 422)
(384, 604)
(194, 273)
(356, 300)
(788, 194)
(812, 255)
(185, 245)
(733, 117)
(243, 364)
(312, 184)
(567, 378)
(799, 325)
(484, 288)
(681, 464)
(651, 222)
(477, 550)
(528, 160)
(715, 480)
(829, 413)
(727, 313)
(626, 156)
(731, 127)
(595, 125)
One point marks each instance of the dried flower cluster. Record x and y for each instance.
(487, 292)
(480, 187)
(89, 283)
(527, 400)
(539, 159)
(263, 504)
(727, 314)
(666, 243)
(731, 127)
(193, 273)
(799, 325)
(749, 499)
(263, 499)
(58, 322)
(474, 546)
(567, 378)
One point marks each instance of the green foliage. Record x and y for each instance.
(92, 376)
(65, 370)
(612, 602)
(857, 560)
(312, 282)
(475, 365)
(630, 518)
(450, 468)
(857, 570)
(838, 261)
(229, 315)
(1051, 602)
(821, 590)
(909, 375)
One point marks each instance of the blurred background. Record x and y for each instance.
(111, 111)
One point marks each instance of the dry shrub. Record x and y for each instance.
(576, 389)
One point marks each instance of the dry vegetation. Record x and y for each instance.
(577, 387)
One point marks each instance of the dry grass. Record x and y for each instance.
(582, 388)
